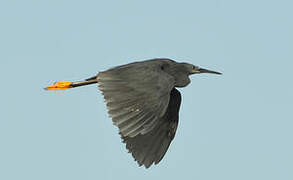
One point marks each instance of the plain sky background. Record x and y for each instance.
(237, 126)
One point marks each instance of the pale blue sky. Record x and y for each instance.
(237, 126)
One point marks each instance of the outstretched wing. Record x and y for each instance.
(151, 147)
(137, 96)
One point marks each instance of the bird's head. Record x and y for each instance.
(181, 72)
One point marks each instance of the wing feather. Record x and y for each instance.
(137, 96)
(151, 147)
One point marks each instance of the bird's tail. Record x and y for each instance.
(62, 85)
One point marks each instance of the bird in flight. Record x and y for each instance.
(143, 101)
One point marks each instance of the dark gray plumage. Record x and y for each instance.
(151, 147)
(143, 102)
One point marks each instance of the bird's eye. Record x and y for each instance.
(164, 66)
(193, 67)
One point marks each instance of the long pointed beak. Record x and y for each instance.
(201, 70)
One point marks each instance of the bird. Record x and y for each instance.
(143, 101)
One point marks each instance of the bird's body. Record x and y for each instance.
(143, 102)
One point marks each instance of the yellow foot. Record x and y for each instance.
(61, 85)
